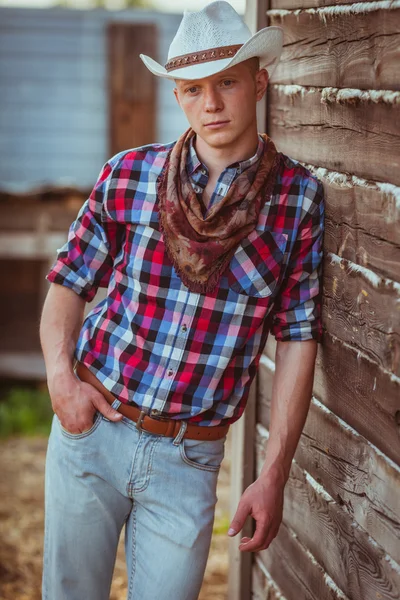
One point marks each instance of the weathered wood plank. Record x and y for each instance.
(354, 46)
(362, 221)
(132, 86)
(348, 466)
(356, 564)
(263, 587)
(337, 131)
(295, 570)
(360, 248)
(363, 309)
(301, 4)
(364, 204)
(240, 563)
(358, 391)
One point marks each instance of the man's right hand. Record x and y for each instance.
(75, 403)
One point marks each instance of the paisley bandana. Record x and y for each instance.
(201, 248)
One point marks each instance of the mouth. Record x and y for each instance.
(216, 124)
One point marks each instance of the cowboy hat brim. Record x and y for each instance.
(266, 44)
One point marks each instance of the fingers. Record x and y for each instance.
(77, 412)
(239, 519)
(257, 542)
(106, 409)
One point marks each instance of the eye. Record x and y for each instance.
(227, 82)
(192, 90)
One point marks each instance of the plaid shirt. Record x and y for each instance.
(153, 342)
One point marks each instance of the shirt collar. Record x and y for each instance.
(194, 163)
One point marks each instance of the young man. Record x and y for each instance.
(205, 245)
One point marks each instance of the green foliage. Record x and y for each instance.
(25, 411)
(221, 525)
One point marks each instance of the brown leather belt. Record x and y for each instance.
(160, 426)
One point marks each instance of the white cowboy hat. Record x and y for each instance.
(214, 39)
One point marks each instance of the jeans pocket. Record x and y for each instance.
(82, 434)
(206, 455)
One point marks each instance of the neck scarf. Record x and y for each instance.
(201, 248)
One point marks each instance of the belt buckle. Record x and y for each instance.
(139, 427)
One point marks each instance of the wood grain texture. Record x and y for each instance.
(132, 85)
(346, 48)
(263, 587)
(356, 564)
(301, 4)
(294, 569)
(370, 207)
(360, 137)
(357, 475)
(359, 247)
(362, 309)
(358, 391)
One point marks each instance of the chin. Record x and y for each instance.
(221, 138)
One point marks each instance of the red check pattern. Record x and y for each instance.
(154, 343)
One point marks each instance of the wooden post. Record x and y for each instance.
(242, 475)
(243, 432)
(132, 99)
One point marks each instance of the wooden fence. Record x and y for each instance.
(334, 105)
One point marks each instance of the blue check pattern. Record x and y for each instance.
(154, 343)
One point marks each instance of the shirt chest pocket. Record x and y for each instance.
(257, 264)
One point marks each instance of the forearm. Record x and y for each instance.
(59, 329)
(291, 396)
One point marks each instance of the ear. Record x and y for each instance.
(262, 78)
(176, 94)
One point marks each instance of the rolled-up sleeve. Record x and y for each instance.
(85, 262)
(296, 315)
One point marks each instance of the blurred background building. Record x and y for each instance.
(73, 92)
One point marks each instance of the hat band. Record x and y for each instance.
(203, 56)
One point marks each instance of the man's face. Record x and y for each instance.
(221, 109)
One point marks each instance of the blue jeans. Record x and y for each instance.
(162, 489)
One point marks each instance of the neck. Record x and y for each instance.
(218, 158)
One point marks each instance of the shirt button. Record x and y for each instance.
(238, 170)
(154, 411)
(203, 172)
(184, 328)
(170, 372)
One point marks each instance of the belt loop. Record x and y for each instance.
(180, 433)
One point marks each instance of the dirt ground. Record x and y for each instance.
(21, 526)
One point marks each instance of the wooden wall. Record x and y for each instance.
(334, 105)
(54, 100)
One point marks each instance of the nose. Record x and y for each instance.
(212, 100)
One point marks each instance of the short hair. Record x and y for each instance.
(253, 64)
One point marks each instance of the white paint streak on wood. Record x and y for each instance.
(331, 95)
(390, 192)
(375, 280)
(318, 487)
(335, 11)
(338, 594)
(355, 433)
(267, 362)
(393, 564)
(277, 592)
(365, 357)
(270, 365)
